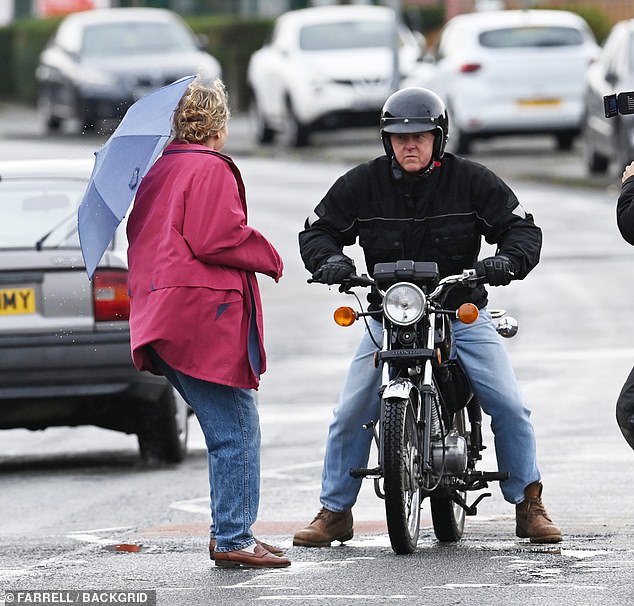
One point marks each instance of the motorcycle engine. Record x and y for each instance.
(455, 454)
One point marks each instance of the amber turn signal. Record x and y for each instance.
(345, 316)
(467, 313)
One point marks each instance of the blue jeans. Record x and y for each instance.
(229, 419)
(480, 350)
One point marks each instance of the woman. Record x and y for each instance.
(195, 309)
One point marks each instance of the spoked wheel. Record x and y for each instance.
(447, 516)
(401, 462)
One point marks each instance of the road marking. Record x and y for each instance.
(573, 354)
(410, 597)
(90, 536)
(197, 505)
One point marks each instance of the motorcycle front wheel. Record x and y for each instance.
(401, 473)
(447, 516)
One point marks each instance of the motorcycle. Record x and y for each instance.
(428, 436)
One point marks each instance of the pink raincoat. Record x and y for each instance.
(192, 261)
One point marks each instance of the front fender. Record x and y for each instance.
(398, 388)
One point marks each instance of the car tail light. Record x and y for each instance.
(110, 295)
(468, 68)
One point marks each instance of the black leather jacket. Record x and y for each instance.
(625, 211)
(441, 217)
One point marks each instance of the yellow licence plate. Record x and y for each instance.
(538, 102)
(17, 301)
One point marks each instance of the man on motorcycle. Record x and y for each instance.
(625, 222)
(418, 202)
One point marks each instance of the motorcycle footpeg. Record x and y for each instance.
(490, 476)
(495, 476)
(365, 472)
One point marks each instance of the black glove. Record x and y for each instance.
(498, 270)
(334, 270)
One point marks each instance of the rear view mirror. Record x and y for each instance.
(623, 103)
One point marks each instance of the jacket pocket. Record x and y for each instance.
(380, 239)
(455, 249)
(216, 278)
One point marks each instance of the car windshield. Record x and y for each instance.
(527, 37)
(31, 210)
(134, 38)
(352, 34)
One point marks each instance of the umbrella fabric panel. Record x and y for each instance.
(120, 167)
(97, 224)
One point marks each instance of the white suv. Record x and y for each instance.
(327, 67)
(512, 72)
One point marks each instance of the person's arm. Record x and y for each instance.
(331, 227)
(506, 224)
(216, 231)
(625, 205)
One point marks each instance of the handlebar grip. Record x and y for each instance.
(352, 280)
(356, 280)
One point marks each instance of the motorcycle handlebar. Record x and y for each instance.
(350, 281)
(468, 276)
(355, 280)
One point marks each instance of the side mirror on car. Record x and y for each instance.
(623, 103)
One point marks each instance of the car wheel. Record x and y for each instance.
(462, 142)
(51, 122)
(565, 141)
(263, 133)
(297, 134)
(87, 123)
(595, 162)
(163, 427)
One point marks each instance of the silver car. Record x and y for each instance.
(610, 140)
(99, 62)
(64, 341)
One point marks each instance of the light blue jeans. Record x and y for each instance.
(479, 348)
(229, 419)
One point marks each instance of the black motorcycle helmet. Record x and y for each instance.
(415, 110)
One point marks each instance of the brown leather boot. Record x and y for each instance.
(532, 521)
(327, 526)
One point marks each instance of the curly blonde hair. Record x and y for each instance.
(202, 112)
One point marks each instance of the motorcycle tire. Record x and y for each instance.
(401, 474)
(447, 516)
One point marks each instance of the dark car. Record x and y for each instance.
(64, 340)
(100, 61)
(608, 140)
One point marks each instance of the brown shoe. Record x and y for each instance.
(278, 551)
(532, 521)
(327, 526)
(240, 558)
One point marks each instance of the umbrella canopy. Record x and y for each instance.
(120, 165)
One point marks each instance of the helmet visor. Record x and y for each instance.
(420, 124)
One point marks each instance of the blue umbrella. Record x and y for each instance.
(120, 165)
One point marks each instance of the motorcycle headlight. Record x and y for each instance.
(404, 303)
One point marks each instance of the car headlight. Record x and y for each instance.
(404, 303)
(92, 81)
